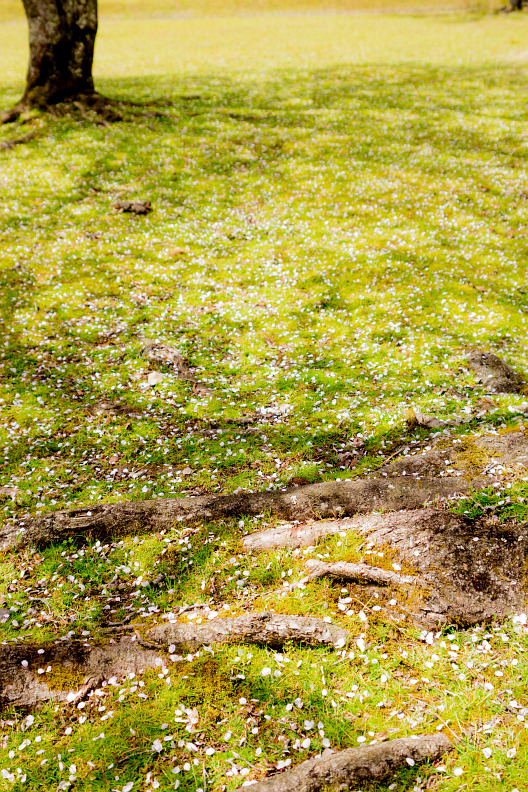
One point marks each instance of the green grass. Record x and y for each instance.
(340, 213)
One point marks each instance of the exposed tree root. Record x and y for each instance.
(472, 456)
(163, 355)
(325, 499)
(346, 769)
(407, 483)
(359, 573)
(298, 535)
(68, 670)
(455, 580)
(475, 570)
(451, 554)
(13, 114)
(272, 629)
(7, 145)
(92, 107)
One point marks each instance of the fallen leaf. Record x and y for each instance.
(202, 390)
(298, 481)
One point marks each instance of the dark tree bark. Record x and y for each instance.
(61, 50)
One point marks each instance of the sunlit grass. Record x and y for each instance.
(340, 213)
(130, 47)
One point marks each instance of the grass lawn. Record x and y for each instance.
(340, 212)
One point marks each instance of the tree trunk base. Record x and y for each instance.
(91, 106)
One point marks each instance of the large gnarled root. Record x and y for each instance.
(7, 145)
(451, 554)
(345, 769)
(66, 672)
(325, 499)
(272, 629)
(408, 483)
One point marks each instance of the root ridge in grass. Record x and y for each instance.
(344, 769)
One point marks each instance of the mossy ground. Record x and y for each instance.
(340, 212)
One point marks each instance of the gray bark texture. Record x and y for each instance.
(325, 499)
(474, 570)
(61, 50)
(66, 671)
(288, 535)
(346, 769)
(271, 629)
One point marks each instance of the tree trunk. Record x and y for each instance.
(61, 49)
